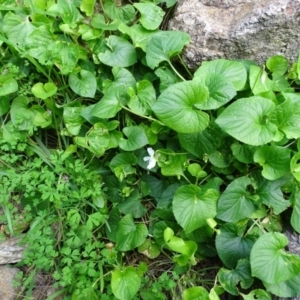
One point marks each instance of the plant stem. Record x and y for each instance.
(177, 73)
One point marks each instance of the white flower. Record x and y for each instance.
(151, 159)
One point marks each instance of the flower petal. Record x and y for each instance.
(150, 151)
(147, 158)
(152, 163)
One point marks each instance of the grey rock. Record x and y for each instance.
(11, 251)
(7, 291)
(238, 29)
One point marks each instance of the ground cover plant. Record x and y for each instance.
(133, 177)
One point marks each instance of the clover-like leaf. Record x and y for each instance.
(164, 45)
(120, 53)
(275, 161)
(247, 120)
(176, 107)
(125, 282)
(151, 15)
(84, 84)
(233, 71)
(191, 206)
(269, 261)
(232, 245)
(236, 203)
(129, 234)
(44, 91)
(136, 138)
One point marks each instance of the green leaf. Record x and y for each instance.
(98, 21)
(151, 15)
(247, 120)
(233, 71)
(195, 293)
(150, 249)
(120, 53)
(192, 206)
(271, 194)
(129, 234)
(68, 11)
(268, 257)
(295, 166)
(275, 161)
(243, 153)
(123, 80)
(259, 81)
(141, 101)
(139, 35)
(87, 6)
(21, 116)
(232, 245)
(125, 283)
(8, 85)
(287, 116)
(221, 91)
(164, 45)
(182, 98)
(83, 84)
(125, 13)
(229, 279)
(257, 295)
(186, 248)
(236, 203)
(107, 107)
(171, 164)
(4, 105)
(202, 143)
(277, 64)
(167, 78)
(132, 205)
(17, 28)
(136, 138)
(295, 218)
(288, 288)
(45, 90)
(73, 119)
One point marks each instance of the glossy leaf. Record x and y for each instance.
(164, 45)
(236, 203)
(277, 64)
(247, 120)
(87, 6)
(182, 97)
(232, 245)
(191, 206)
(45, 90)
(8, 85)
(151, 15)
(233, 71)
(268, 257)
(275, 161)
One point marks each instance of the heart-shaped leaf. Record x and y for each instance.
(151, 15)
(136, 138)
(8, 85)
(176, 107)
(275, 161)
(125, 283)
(269, 261)
(120, 53)
(195, 293)
(247, 120)
(44, 91)
(164, 45)
(129, 234)
(233, 71)
(84, 84)
(191, 206)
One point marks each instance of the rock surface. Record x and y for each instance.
(238, 29)
(10, 251)
(7, 291)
